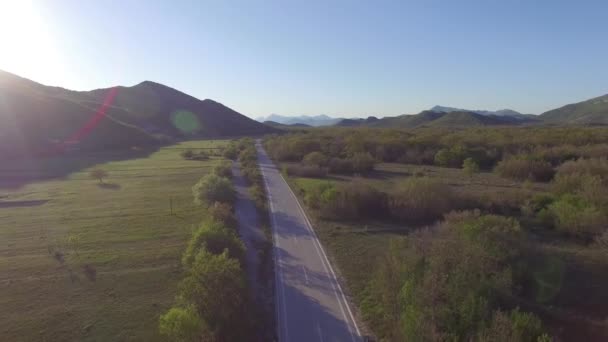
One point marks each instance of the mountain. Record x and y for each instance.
(316, 120)
(430, 118)
(590, 112)
(37, 118)
(502, 112)
(284, 126)
(357, 122)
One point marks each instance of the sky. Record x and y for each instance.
(341, 58)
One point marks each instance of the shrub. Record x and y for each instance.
(315, 159)
(231, 152)
(202, 155)
(181, 324)
(452, 157)
(252, 174)
(362, 162)
(306, 171)
(574, 215)
(215, 238)
(351, 201)
(187, 154)
(224, 169)
(522, 168)
(470, 167)
(222, 213)
(341, 166)
(514, 326)
(213, 188)
(98, 174)
(248, 157)
(593, 167)
(421, 200)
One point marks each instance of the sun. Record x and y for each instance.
(26, 45)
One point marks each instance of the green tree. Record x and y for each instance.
(182, 324)
(213, 188)
(316, 158)
(215, 238)
(216, 286)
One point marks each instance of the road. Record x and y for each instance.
(310, 304)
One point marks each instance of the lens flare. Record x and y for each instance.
(185, 121)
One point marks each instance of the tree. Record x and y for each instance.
(216, 287)
(470, 167)
(317, 159)
(215, 238)
(187, 154)
(181, 324)
(213, 188)
(98, 174)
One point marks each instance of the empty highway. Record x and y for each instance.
(310, 304)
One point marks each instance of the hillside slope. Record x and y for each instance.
(38, 119)
(590, 112)
(161, 109)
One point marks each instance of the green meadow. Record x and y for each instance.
(89, 261)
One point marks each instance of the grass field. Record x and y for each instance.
(82, 261)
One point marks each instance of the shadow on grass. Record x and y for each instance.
(17, 204)
(109, 186)
(16, 173)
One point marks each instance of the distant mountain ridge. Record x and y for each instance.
(590, 112)
(309, 120)
(501, 112)
(37, 118)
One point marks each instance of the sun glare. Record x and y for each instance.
(26, 47)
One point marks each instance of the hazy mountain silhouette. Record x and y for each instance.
(39, 119)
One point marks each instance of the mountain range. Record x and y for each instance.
(309, 120)
(39, 119)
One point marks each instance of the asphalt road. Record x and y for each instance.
(310, 304)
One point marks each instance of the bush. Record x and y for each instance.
(351, 201)
(98, 174)
(470, 167)
(252, 174)
(421, 200)
(315, 159)
(341, 166)
(525, 168)
(593, 167)
(187, 154)
(222, 213)
(231, 151)
(362, 162)
(574, 215)
(215, 238)
(452, 157)
(514, 326)
(181, 324)
(306, 171)
(224, 169)
(213, 188)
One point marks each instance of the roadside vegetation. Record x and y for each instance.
(213, 302)
(479, 234)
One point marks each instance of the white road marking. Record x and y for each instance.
(305, 274)
(318, 247)
(277, 262)
(319, 331)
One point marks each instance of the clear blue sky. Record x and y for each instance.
(350, 58)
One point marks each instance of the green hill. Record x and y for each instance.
(590, 112)
(452, 119)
